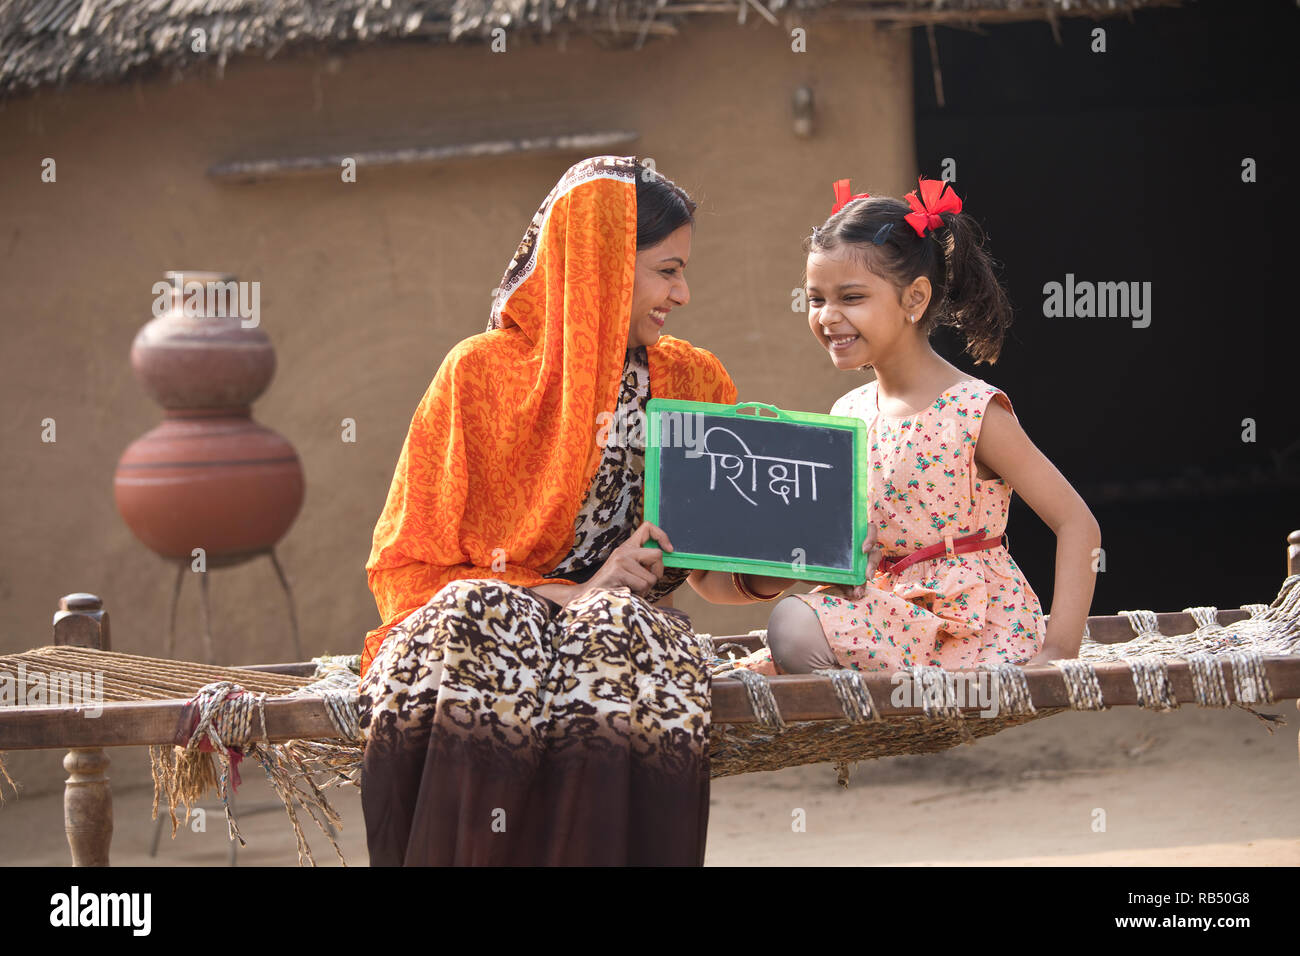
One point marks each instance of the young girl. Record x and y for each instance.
(945, 452)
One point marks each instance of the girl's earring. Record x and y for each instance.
(913, 318)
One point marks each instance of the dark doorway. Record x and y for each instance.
(1127, 166)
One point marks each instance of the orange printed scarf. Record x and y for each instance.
(503, 447)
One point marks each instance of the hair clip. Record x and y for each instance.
(842, 197)
(935, 197)
(883, 233)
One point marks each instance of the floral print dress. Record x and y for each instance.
(956, 610)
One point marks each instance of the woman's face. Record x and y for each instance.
(855, 314)
(659, 286)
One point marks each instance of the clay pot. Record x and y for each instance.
(211, 479)
(209, 476)
(201, 361)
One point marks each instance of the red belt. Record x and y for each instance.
(949, 546)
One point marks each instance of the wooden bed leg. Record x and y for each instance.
(88, 806)
(87, 797)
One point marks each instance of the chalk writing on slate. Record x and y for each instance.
(767, 495)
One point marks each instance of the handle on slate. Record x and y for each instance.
(770, 408)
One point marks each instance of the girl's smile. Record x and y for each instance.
(854, 313)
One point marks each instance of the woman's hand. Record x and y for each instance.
(633, 565)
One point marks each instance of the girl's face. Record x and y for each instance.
(855, 314)
(659, 286)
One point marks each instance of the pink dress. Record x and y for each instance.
(954, 611)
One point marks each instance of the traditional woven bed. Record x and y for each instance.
(299, 721)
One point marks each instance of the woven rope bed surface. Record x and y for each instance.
(132, 677)
(1218, 657)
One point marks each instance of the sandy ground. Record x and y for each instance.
(1194, 787)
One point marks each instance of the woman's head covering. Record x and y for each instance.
(502, 448)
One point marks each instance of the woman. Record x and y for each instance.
(532, 696)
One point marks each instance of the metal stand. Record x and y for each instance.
(205, 613)
(288, 596)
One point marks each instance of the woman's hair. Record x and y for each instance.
(966, 293)
(662, 207)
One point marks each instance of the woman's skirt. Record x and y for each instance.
(504, 729)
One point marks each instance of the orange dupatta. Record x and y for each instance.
(502, 448)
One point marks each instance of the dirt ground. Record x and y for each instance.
(1120, 788)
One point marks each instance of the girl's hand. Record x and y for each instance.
(874, 553)
(1047, 654)
(632, 565)
(873, 550)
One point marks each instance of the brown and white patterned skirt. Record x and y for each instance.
(504, 729)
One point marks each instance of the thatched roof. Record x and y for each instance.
(53, 41)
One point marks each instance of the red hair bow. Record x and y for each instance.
(936, 197)
(842, 197)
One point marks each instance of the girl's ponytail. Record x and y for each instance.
(976, 304)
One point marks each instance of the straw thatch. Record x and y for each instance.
(46, 42)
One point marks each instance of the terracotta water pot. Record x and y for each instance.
(209, 476)
(211, 479)
(201, 361)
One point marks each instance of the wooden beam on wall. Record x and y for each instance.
(279, 167)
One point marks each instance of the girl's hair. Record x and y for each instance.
(662, 207)
(966, 293)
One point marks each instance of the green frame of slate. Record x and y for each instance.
(861, 499)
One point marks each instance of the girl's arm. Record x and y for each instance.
(1006, 449)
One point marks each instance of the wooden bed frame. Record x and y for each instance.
(82, 621)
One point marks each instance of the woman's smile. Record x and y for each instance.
(660, 275)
